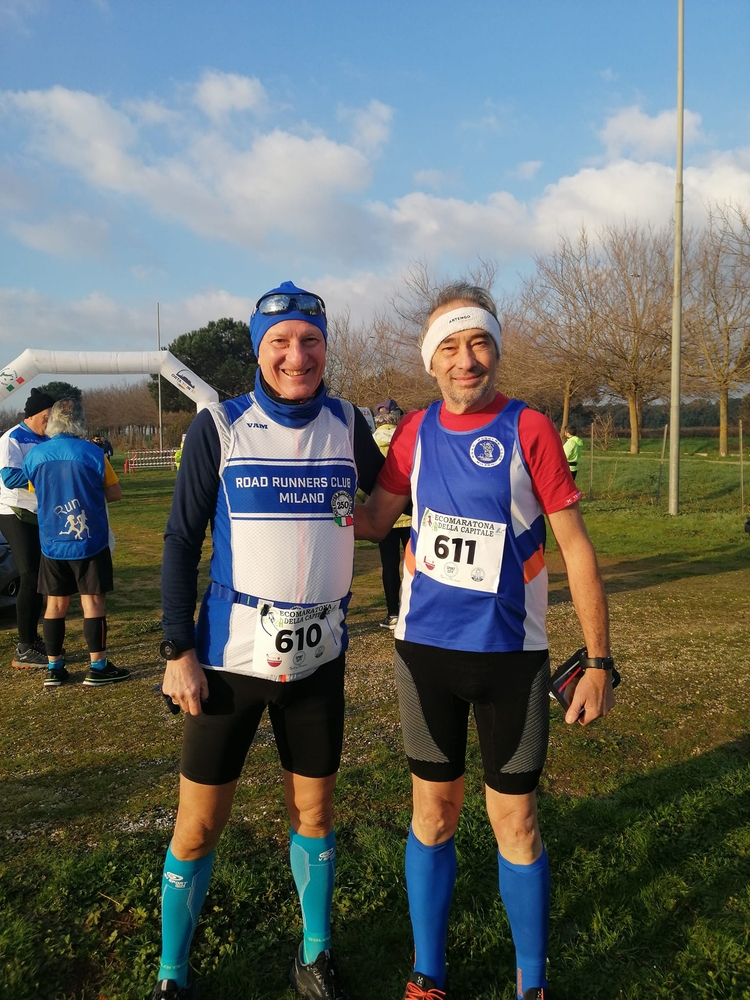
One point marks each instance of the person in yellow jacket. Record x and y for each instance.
(386, 420)
(572, 447)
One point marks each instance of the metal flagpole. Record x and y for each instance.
(158, 378)
(674, 408)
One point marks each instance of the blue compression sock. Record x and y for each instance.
(183, 889)
(525, 893)
(430, 878)
(313, 861)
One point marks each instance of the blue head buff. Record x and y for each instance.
(260, 323)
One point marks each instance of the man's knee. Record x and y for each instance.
(437, 807)
(201, 817)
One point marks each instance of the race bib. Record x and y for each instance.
(290, 642)
(461, 551)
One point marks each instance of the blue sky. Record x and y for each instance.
(195, 154)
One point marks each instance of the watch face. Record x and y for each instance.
(168, 649)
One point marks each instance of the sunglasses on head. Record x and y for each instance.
(278, 303)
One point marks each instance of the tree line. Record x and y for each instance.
(589, 326)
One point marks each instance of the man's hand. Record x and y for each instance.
(592, 698)
(185, 682)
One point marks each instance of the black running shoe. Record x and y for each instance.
(167, 989)
(537, 993)
(109, 675)
(318, 980)
(55, 678)
(34, 655)
(419, 987)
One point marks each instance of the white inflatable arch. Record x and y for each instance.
(31, 363)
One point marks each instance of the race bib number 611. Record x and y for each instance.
(461, 551)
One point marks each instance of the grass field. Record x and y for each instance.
(646, 815)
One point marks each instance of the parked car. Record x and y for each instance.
(9, 578)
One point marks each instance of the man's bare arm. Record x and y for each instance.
(113, 492)
(593, 696)
(374, 519)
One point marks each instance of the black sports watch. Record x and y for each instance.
(601, 663)
(598, 662)
(170, 649)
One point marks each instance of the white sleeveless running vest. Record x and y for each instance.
(283, 542)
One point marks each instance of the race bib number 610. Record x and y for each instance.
(461, 551)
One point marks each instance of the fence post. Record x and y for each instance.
(742, 474)
(661, 464)
(591, 465)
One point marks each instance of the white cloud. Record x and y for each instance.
(73, 235)
(151, 112)
(528, 169)
(633, 133)
(217, 94)
(371, 126)
(15, 13)
(608, 75)
(283, 184)
(435, 179)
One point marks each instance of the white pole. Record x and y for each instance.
(158, 377)
(674, 409)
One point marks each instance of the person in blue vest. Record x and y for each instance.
(482, 471)
(274, 472)
(74, 482)
(20, 526)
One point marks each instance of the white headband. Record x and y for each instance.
(463, 318)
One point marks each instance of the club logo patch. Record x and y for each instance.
(342, 505)
(486, 452)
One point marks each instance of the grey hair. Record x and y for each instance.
(385, 419)
(454, 292)
(67, 417)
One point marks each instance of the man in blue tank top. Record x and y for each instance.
(482, 471)
(274, 472)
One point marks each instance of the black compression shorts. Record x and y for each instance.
(508, 692)
(307, 717)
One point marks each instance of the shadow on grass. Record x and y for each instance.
(648, 571)
(649, 898)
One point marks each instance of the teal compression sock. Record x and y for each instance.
(525, 893)
(313, 861)
(183, 890)
(430, 878)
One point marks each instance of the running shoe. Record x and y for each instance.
(34, 655)
(389, 622)
(167, 989)
(537, 993)
(419, 987)
(109, 675)
(55, 678)
(318, 980)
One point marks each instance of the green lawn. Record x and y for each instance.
(646, 815)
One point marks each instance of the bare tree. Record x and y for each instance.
(377, 360)
(631, 346)
(717, 320)
(563, 305)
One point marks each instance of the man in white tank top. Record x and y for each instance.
(274, 472)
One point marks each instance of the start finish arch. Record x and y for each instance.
(32, 363)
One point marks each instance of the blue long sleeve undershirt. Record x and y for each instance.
(14, 479)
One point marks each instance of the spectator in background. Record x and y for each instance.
(572, 448)
(19, 525)
(390, 547)
(74, 482)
